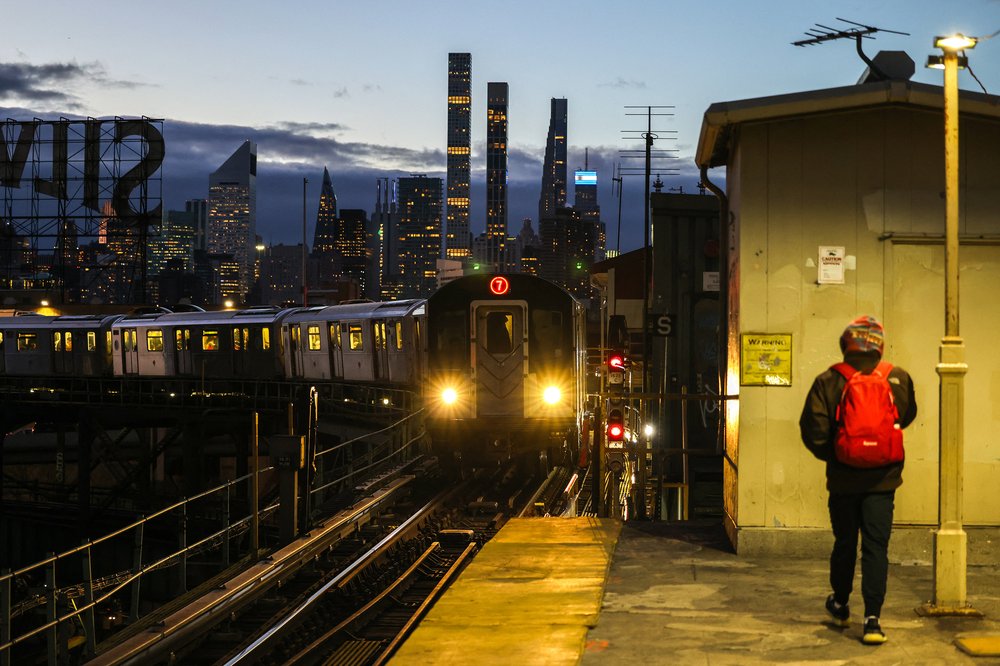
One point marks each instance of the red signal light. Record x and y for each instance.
(499, 285)
(616, 362)
(616, 426)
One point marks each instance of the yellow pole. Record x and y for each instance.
(950, 545)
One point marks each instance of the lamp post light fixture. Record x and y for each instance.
(950, 540)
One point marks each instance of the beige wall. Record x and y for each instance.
(871, 181)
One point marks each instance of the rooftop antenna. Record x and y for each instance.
(856, 31)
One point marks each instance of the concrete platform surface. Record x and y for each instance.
(528, 598)
(677, 594)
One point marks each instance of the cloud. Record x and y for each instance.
(300, 82)
(51, 83)
(622, 83)
(371, 87)
(341, 93)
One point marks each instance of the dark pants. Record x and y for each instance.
(871, 514)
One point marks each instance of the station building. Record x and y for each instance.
(836, 208)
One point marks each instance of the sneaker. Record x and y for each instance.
(841, 613)
(873, 634)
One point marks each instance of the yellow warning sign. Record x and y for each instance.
(766, 359)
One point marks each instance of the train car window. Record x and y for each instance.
(265, 338)
(27, 342)
(154, 340)
(1, 341)
(107, 342)
(294, 338)
(314, 340)
(68, 340)
(354, 335)
(378, 332)
(57, 341)
(210, 340)
(399, 335)
(128, 339)
(546, 336)
(91, 341)
(246, 339)
(182, 339)
(335, 336)
(236, 340)
(498, 332)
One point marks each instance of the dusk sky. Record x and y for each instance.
(360, 87)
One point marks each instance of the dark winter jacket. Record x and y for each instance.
(818, 427)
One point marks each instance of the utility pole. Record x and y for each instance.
(305, 279)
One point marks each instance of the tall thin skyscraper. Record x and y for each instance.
(198, 208)
(232, 213)
(496, 171)
(553, 194)
(459, 153)
(325, 235)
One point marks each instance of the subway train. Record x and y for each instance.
(497, 359)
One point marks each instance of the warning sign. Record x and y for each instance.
(766, 359)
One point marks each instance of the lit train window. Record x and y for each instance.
(236, 340)
(378, 332)
(154, 340)
(335, 336)
(68, 340)
(27, 342)
(128, 339)
(107, 342)
(246, 339)
(399, 335)
(354, 335)
(498, 332)
(91, 341)
(295, 338)
(210, 340)
(1, 340)
(314, 341)
(182, 339)
(265, 338)
(57, 341)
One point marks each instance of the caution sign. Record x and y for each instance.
(766, 359)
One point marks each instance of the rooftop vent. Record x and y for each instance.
(889, 65)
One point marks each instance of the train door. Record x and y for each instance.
(294, 349)
(62, 352)
(380, 371)
(182, 352)
(130, 351)
(241, 349)
(499, 359)
(336, 352)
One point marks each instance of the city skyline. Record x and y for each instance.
(384, 115)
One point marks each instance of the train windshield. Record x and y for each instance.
(498, 332)
(452, 344)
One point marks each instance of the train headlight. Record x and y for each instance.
(449, 396)
(552, 395)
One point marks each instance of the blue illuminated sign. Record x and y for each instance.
(586, 178)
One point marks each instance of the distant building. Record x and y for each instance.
(567, 251)
(457, 239)
(385, 228)
(585, 203)
(553, 194)
(232, 215)
(496, 172)
(352, 245)
(198, 208)
(419, 228)
(324, 250)
(281, 275)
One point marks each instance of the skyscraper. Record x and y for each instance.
(496, 171)
(352, 241)
(420, 209)
(459, 153)
(554, 169)
(199, 209)
(385, 225)
(232, 213)
(325, 234)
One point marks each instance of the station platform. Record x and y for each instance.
(595, 592)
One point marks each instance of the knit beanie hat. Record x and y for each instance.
(864, 334)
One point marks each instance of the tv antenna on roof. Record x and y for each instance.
(856, 31)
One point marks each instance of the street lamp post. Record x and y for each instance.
(950, 546)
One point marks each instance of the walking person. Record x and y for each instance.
(852, 420)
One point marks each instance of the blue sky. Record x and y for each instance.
(360, 87)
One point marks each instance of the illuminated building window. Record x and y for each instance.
(154, 340)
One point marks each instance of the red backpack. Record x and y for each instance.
(868, 434)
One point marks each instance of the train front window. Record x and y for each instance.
(314, 339)
(451, 339)
(27, 342)
(547, 337)
(154, 340)
(499, 327)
